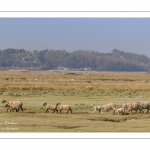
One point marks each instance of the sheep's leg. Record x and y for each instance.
(142, 111)
(21, 109)
(17, 110)
(46, 110)
(99, 110)
(67, 111)
(147, 111)
(7, 110)
(57, 110)
(114, 112)
(70, 110)
(102, 111)
(54, 111)
(60, 111)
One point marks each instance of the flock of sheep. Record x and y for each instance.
(17, 105)
(125, 107)
(136, 106)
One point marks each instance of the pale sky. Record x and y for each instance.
(98, 34)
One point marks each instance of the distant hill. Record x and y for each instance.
(15, 59)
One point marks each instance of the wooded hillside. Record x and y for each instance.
(61, 59)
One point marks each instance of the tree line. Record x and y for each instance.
(52, 59)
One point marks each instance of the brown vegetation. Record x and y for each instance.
(35, 88)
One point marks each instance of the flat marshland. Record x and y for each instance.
(35, 88)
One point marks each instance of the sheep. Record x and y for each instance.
(99, 108)
(51, 107)
(134, 106)
(13, 105)
(145, 105)
(64, 107)
(89, 87)
(10, 108)
(121, 110)
(107, 107)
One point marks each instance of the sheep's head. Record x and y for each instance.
(92, 105)
(124, 105)
(7, 105)
(57, 104)
(44, 104)
(4, 101)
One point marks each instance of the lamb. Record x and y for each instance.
(51, 107)
(13, 105)
(145, 105)
(64, 107)
(134, 106)
(107, 107)
(121, 110)
(99, 108)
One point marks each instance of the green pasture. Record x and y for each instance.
(34, 89)
(34, 118)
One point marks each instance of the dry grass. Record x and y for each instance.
(35, 88)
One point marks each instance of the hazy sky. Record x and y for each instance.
(98, 34)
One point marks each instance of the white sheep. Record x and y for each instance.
(99, 108)
(89, 87)
(134, 106)
(121, 110)
(107, 107)
(9, 108)
(14, 105)
(145, 105)
(64, 107)
(51, 107)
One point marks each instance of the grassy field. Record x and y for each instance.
(35, 88)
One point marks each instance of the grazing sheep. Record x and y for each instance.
(64, 107)
(51, 107)
(121, 110)
(72, 80)
(108, 107)
(99, 108)
(13, 105)
(145, 105)
(89, 87)
(134, 106)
